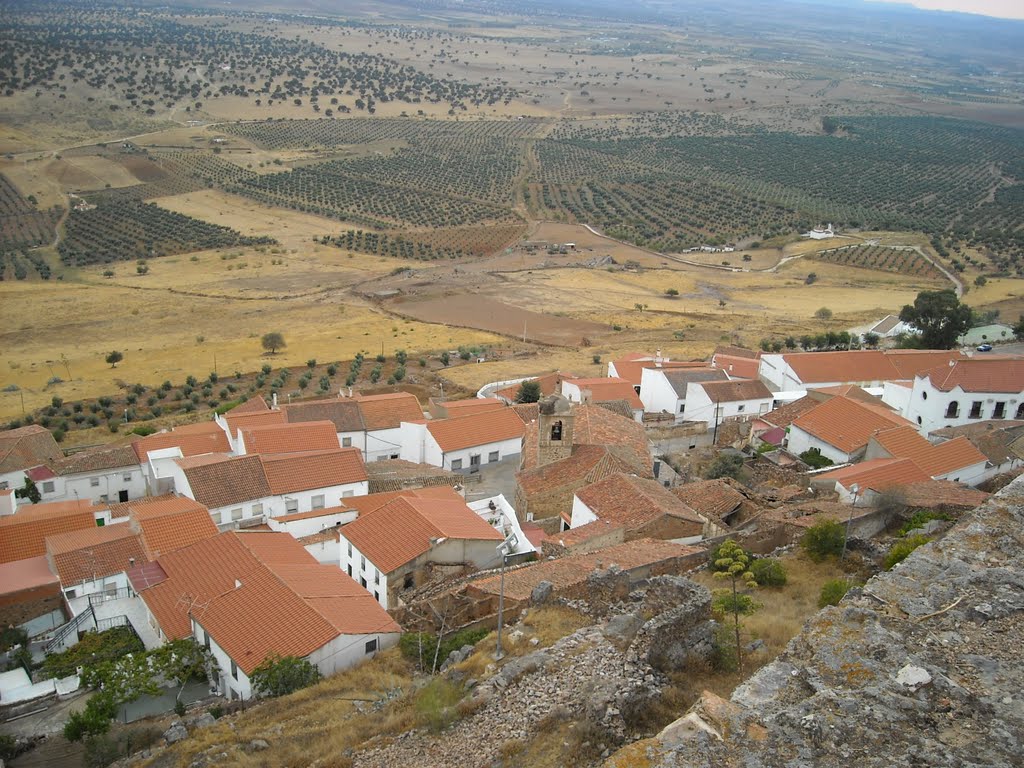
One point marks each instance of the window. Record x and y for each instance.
(924, 395)
(236, 513)
(362, 564)
(4, 485)
(493, 456)
(127, 477)
(409, 582)
(556, 431)
(394, 456)
(318, 502)
(94, 482)
(376, 596)
(48, 486)
(103, 498)
(371, 646)
(1020, 411)
(953, 410)
(741, 408)
(347, 494)
(682, 407)
(71, 593)
(999, 412)
(456, 463)
(382, 458)
(474, 460)
(216, 517)
(234, 669)
(362, 581)
(257, 510)
(350, 569)
(346, 442)
(291, 505)
(976, 409)
(206, 641)
(350, 549)
(376, 577)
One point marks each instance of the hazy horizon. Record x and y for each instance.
(1000, 9)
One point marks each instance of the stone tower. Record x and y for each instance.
(554, 429)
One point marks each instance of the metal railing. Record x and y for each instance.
(74, 625)
(113, 621)
(118, 594)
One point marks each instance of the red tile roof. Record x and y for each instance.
(733, 391)
(366, 504)
(864, 365)
(403, 529)
(484, 428)
(96, 460)
(193, 440)
(249, 419)
(290, 438)
(633, 501)
(38, 474)
(992, 438)
(252, 405)
(587, 464)
(312, 514)
(27, 447)
(30, 573)
(737, 367)
(342, 412)
(877, 474)
(293, 472)
(388, 411)
(994, 375)
(786, 414)
(168, 523)
(610, 388)
(941, 493)
(24, 533)
(733, 351)
(451, 408)
(906, 443)
(680, 380)
(846, 424)
(220, 481)
(715, 498)
(93, 553)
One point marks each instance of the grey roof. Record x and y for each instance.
(680, 378)
(344, 414)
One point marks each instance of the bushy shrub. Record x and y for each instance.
(902, 549)
(824, 539)
(833, 591)
(281, 675)
(769, 572)
(412, 643)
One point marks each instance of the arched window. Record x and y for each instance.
(953, 410)
(556, 430)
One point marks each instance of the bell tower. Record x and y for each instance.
(554, 429)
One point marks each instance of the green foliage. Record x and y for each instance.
(143, 430)
(812, 457)
(435, 704)
(281, 675)
(732, 563)
(920, 518)
(93, 648)
(823, 313)
(28, 491)
(833, 591)
(769, 572)
(113, 358)
(8, 747)
(225, 407)
(11, 636)
(445, 359)
(899, 551)
(528, 392)
(871, 340)
(182, 660)
(273, 341)
(88, 722)
(421, 647)
(725, 465)
(724, 602)
(940, 317)
(1018, 329)
(824, 539)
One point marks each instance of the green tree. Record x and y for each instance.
(671, 293)
(1018, 329)
(182, 660)
(528, 392)
(281, 675)
(273, 341)
(769, 572)
(113, 358)
(29, 491)
(824, 539)
(725, 465)
(823, 313)
(445, 359)
(871, 340)
(732, 564)
(940, 317)
(812, 457)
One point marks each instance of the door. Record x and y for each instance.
(122, 496)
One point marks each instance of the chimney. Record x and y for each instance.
(275, 401)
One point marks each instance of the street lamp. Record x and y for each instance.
(504, 549)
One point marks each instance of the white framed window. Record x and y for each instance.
(493, 456)
(257, 510)
(291, 505)
(362, 563)
(103, 498)
(317, 502)
(346, 442)
(216, 517)
(376, 577)
(94, 482)
(347, 494)
(234, 669)
(236, 513)
(682, 407)
(127, 477)
(48, 486)
(371, 645)
(350, 549)
(456, 463)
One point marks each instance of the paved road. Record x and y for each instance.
(1017, 348)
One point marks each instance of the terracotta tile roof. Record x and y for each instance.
(92, 553)
(852, 391)
(374, 501)
(906, 443)
(168, 523)
(731, 391)
(30, 573)
(992, 438)
(343, 413)
(312, 514)
(731, 351)
(587, 464)
(194, 440)
(679, 380)
(27, 447)
(846, 424)
(38, 474)
(222, 481)
(569, 571)
(714, 498)
(631, 501)
(293, 472)
(632, 370)
(388, 411)
(252, 405)
(397, 475)
(327, 534)
(24, 533)
(526, 411)
(291, 438)
(402, 529)
(96, 460)
(737, 367)
(864, 365)
(534, 533)
(941, 493)
(550, 383)
(483, 428)
(877, 474)
(786, 414)
(248, 420)
(610, 388)
(995, 375)
(446, 409)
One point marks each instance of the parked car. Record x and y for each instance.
(985, 348)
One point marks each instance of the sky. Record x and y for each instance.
(1007, 9)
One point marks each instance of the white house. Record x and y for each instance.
(665, 390)
(603, 390)
(382, 418)
(343, 412)
(1000, 441)
(158, 452)
(840, 428)
(965, 391)
(107, 474)
(22, 449)
(500, 515)
(387, 550)
(464, 443)
(866, 368)
(716, 401)
(316, 530)
(956, 459)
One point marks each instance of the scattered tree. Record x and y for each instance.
(812, 277)
(113, 358)
(445, 359)
(902, 549)
(824, 314)
(281, 675)
(273, 341)
(528, 392)
(29, 491)
(812, 457)
(769, 572)
(940, 317)
(871, 340)
(671, 293)
(732, 563)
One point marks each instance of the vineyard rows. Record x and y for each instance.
(132, 230)
(902, 261)
(21, 223)
(20, 264)
(205, 167)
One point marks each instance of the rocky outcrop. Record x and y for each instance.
(921, 667)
